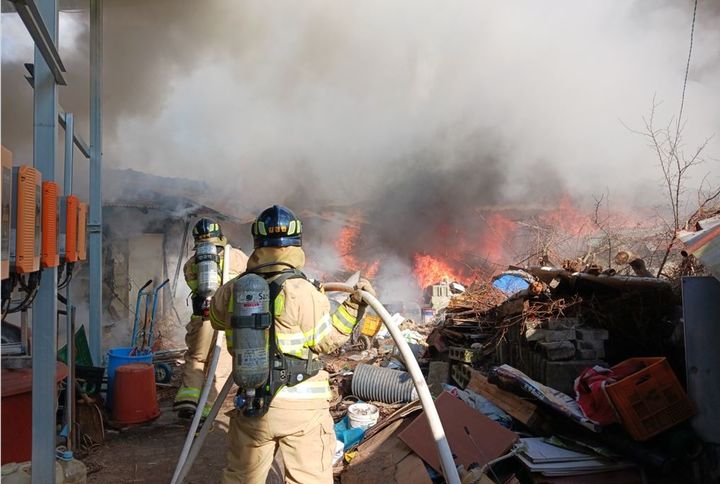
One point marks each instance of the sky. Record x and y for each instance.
(323, 102)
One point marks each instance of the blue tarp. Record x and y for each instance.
(510, 284)
(347, 435)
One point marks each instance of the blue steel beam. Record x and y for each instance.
(95, 215)
(79, 142)
(44, 36)
(44, 310)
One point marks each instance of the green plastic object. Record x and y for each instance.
(82, 350)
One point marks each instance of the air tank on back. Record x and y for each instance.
(251, 319)
(206, 257)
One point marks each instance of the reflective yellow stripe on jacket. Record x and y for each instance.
(296, 343)
(188, 394)
(343, 321)
(309, 390)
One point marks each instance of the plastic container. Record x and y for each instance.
(16, 412)
(135, 395)
(362, 415)
(21, 473)
(118, 357)
(371, 325)
(651, 399)
(73, 470)
(428, 315)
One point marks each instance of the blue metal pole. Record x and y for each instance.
(44, 310)
(69, 308)
(68, 171)
(95, 215)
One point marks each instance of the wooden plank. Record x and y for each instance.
(378, 456)
(522, 410)
(412, 470)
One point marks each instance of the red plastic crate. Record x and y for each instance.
(651, 399)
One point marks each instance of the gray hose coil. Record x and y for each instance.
(384, 385)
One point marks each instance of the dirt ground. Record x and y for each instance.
(148, 453)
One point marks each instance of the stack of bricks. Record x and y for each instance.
(556, 342)
(591, 343)
(560, 349)
(562, 340)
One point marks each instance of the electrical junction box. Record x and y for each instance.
(6, 196)
(82, 230)
(68, 228)
(49, 231)
(25, 220)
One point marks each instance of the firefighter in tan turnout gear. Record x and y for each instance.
(277, 323)
(203, 274)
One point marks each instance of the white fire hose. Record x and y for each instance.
(446, 459)
(190, 441)
(193, 445)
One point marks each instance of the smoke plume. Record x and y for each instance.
(415, 111)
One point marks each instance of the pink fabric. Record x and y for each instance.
(590, 391)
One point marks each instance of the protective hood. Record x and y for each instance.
(294, 256)
(218, 241)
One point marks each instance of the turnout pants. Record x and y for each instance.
(305, 437)
(199, 340)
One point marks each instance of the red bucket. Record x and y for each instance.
(134, 395)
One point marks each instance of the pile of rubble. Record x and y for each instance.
(540, 374)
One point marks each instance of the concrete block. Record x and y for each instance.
(550, 335)
(561, 375)
(591, 334)
(597, 346)
(438, 373)
(586, 354)
(563, 323)
(558, 350)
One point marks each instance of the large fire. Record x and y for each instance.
(345, 246)
(497, 238)
(429, 270)
(487, 243)
(567, 219)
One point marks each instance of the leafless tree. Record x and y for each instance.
(676, 163)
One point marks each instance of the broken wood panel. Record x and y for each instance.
(378, 456)
(412, 470)
(520, 409)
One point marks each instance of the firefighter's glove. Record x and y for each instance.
(356, 301)
(201, 306)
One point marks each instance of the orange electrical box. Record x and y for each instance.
(6, 196)
(68, 238)
(25, 220)
(49, 231)
(82, 230)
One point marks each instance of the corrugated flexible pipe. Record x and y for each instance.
(386, 385)
(438, 433)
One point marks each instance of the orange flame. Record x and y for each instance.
(429, 270)
(497, 238)
(345, 245)
(568, 219)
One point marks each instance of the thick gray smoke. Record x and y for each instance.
(419, 108)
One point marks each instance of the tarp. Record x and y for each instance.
(511, 282)
(705, 244)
